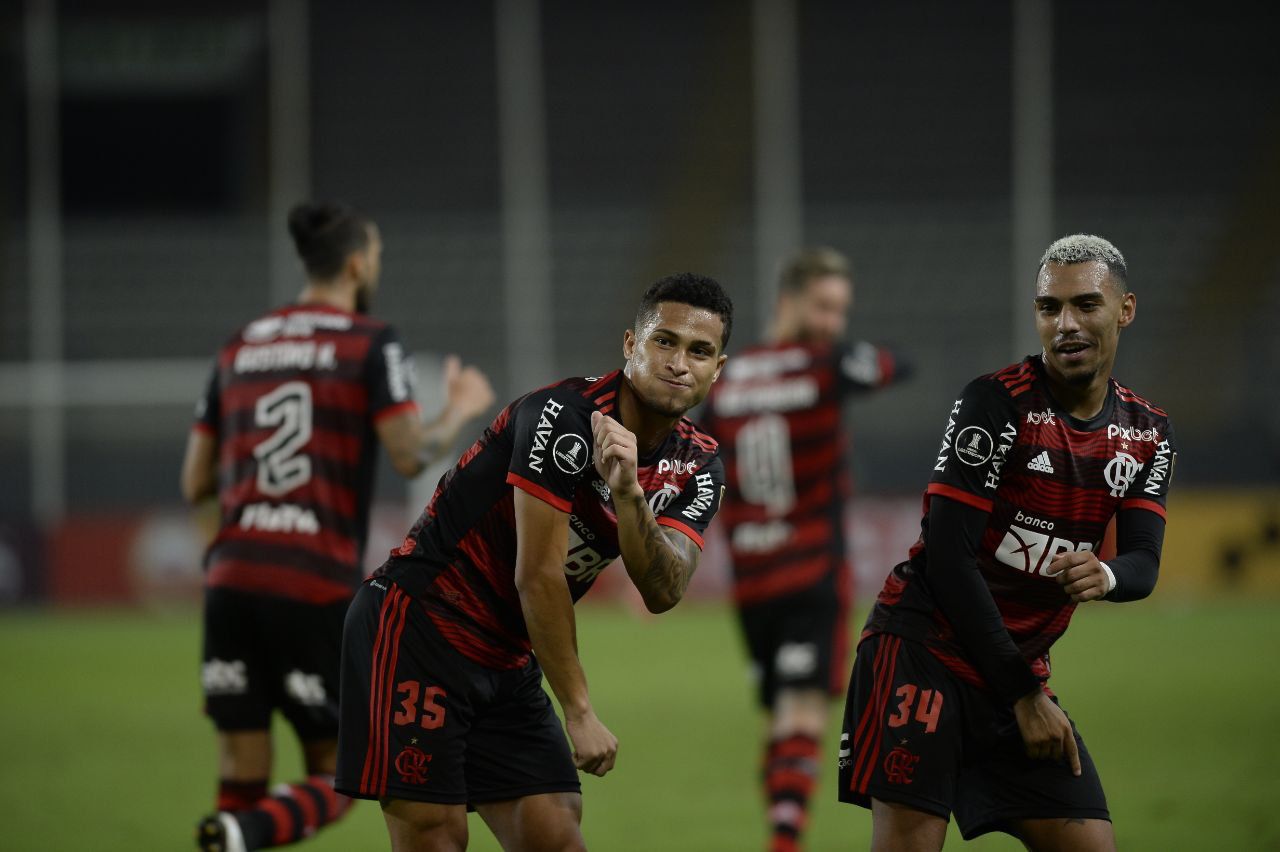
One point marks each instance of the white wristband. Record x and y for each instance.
(1111, 577)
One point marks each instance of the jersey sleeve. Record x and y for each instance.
(864, 366)
(980, 432)
(1151, 490)
(209, 406)
(551, 445)
(692, 511)
(389, 376)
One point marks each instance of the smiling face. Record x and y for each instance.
(673, 356)
(1080, 309)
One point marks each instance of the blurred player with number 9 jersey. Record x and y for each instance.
(286, 436)
(779, 414)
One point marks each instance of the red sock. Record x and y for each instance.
(293, 812)
(790, 775)
(240, 795)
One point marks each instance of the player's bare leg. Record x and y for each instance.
(244, 755)
(1066, 835)
(424, 826)
(796, 726)
(548, 822)
(900, 828)
(320, 756)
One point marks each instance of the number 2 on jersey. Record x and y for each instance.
(281, 465)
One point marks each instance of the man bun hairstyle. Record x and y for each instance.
(325, 233)
(688, 288)
(1083, 248)
(810, 263)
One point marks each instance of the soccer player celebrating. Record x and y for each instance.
(948, 710)
(779, 415)
(446, 646)
(286, 436)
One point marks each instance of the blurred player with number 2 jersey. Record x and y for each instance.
(948, 709)
(779, 413)
(286, 437)
(446, 646)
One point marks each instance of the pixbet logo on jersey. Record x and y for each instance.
(679, 467)
(1128, 433)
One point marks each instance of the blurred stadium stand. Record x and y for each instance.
(1165, 140)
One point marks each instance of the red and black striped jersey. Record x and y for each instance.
(1050, 483)
(778, 413)
(292, 402)
(460, 556)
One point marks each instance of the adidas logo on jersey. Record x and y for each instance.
(1041, 463)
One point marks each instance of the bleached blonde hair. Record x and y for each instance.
(1083, 248)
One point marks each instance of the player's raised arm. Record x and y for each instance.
(412, 444)
(542, 533)
(659, 560)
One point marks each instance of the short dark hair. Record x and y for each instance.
(688, 288)
(325, 234)
(810, 263)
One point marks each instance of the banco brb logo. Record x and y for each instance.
(1120, 473)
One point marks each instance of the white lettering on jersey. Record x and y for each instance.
(701, 503)
(542, 433)
(1031, 551)
(1128, 433)
(946, 438)
(285, 518)
(761, 537)
(1161, 469)
(1035, 418)
(780, 395)
(582, 562)
(399, 372)
(304, 355)
(766, 364)
(679, 467)
(1007, 437)
(297, 324)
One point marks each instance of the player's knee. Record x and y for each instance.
(551, 824)
(425, 827)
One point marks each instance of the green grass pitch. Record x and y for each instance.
(102, 745)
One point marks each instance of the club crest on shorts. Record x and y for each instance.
(411, 763)
(899, 765)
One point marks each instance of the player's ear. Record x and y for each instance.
(628, 344)
(1128, 310)
(719, 367)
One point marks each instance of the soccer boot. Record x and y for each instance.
(220, 833)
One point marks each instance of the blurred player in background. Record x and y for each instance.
(446, 646)
(779, 416)
(286, 436)
(948, 709)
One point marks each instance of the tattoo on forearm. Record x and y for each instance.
(667, 571)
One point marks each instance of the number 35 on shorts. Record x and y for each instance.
(419, 704)
(927, 704)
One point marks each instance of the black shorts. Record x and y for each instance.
(263, 653)
(422, 722)
(797, 642)
(916, 734)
